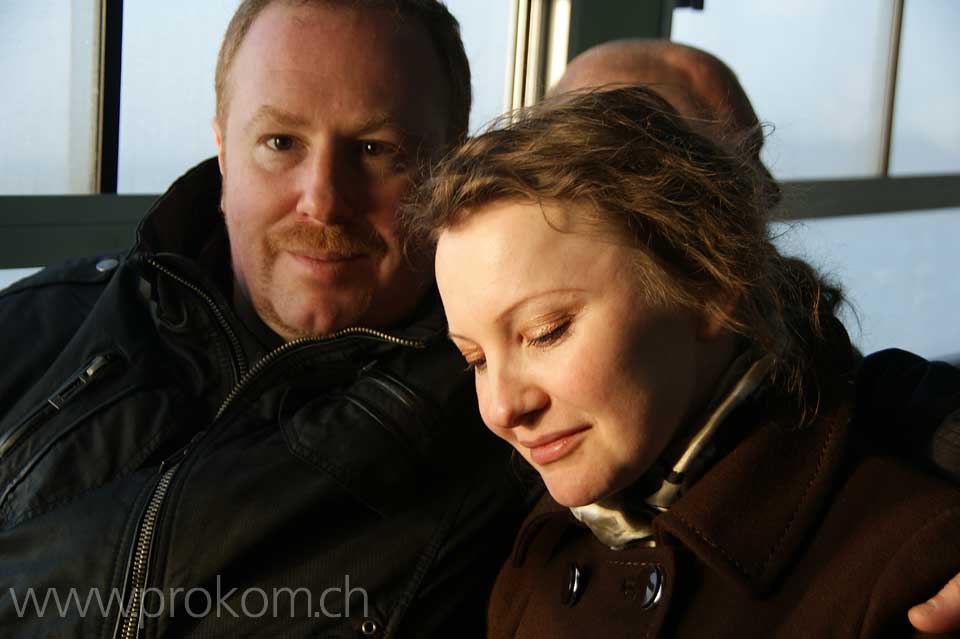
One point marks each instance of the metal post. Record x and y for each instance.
(111, 49)
(890, 93)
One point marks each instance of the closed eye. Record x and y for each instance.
(474, 359)
(476, 364)
(550, 335)
(477, 367)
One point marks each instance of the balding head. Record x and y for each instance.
(695, 83)
(698, 85)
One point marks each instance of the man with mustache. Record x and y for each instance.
(252, 423)
(703, 88)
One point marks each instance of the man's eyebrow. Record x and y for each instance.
(278, 116)
(380, 121)
(370, 125)
(386, 121)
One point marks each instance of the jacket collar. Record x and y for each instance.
(748, 516)
(186, 218)
(626, 518)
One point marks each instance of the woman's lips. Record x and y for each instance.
(554, 446)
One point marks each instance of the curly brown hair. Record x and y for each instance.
(696, 210)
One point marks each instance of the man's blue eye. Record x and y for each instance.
(280, 142)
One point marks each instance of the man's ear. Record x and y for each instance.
(218, 138)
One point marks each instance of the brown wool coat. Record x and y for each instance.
(793, 534)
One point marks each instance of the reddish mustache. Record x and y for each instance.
(314, 240)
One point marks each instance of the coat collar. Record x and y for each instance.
(748, 516)
(625, 518)
(186, 218)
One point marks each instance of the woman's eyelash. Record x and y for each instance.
(551, 335)
(476, 364)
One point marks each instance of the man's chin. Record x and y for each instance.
(319, 318)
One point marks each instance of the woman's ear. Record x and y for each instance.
(711, 324)
(709, 328)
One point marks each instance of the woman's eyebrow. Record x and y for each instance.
(520, 303)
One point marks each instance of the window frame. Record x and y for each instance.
(545, 34)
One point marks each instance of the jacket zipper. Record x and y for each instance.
(137, 571)
(276, 353)
(129, 627)
(55, 403)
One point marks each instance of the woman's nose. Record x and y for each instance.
(509, 398)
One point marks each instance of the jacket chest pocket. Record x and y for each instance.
(373, 437)
(90, 429)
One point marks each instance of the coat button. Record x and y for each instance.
(645, 587)
(573, 587)
(107, 265)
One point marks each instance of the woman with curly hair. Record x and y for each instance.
(692, 404)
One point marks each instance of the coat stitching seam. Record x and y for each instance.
(786, 530)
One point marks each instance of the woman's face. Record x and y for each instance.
(586, 379)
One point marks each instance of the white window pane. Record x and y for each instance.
(485, 28)
(926, 124)
(166, 92)
(815, 69)
(167, 99)
(898, 270)
(10, 275)
(49, 53)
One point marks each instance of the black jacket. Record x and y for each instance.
(141, 447)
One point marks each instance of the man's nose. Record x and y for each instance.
(510, 398)
(324, 186)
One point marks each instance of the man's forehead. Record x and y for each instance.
(308, 31)
(298, 62)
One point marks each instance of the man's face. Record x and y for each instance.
(328, 110)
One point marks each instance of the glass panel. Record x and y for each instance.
(10, 275)
(49, 55)
(167, 101)
(926, 124)
(166, 93)
(898, 271)
(485, 30)
(815, 69)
